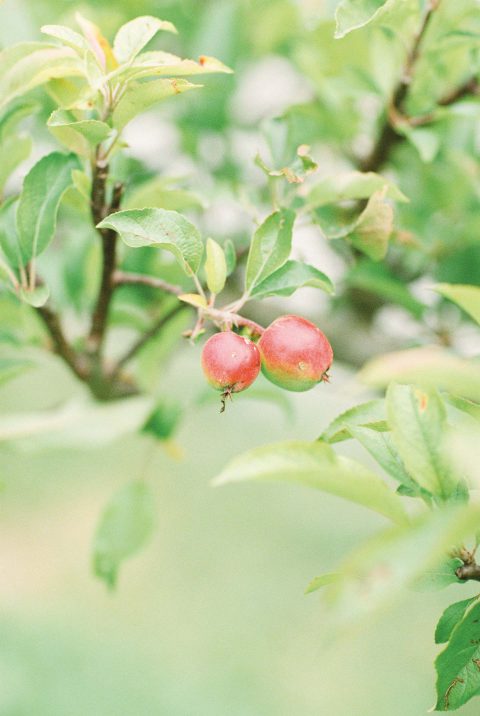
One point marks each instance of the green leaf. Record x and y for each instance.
(215, 267)
(351, 185)
(321, 581)
(162, 421)
(467, 297)
(43, 188)
(450, 618)
(353, 14)
(230, 256)
(289, 277)
(66, 36)
(375, 573)
(158, 63)
(80, 136)
(372, 230)
(372, 415)
(381, 447)
(316, 465)
(426, 141)
(429, 366)
(158, 227)
(418, 423)
(14, 149)
(378, 279)
(10, 368)
(36, 297)
(8, 232)
(134, 35)
(270, 247)
(159, 193)
(458, 666)
(439, 576)
(140, 96)
(29, 64)
(14, 113)
(125, 526)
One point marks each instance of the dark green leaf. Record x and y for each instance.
(270, 247)
(450, 618)
(289, 277)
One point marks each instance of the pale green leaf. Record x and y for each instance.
(8, 232)
(372, 415)
(270, 247)
(351, 185)
(67, 36)
(429, 366)
(289, 277)
(418, 423)
(373, 228)
(140, 96)
(159, 227)
(230, 256)
(353, 14)
(80, 136)
(14, 113)
(42, 192)
(35, 297)
(215, 267)
(321, 581)
(158, 192)
(134, 35)
(29, 64)
(125, 526)
(450, 618)
(10, 368)
(316, 465)
(14, 149)
(381, 447)
(467, 297)
(439, 576)
(158, 63)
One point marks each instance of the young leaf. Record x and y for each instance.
(29, 64)
(467, 297)
(322, 581)
(14, 113)
(292, 275)
(270, 247)
(450, 618)
(439, 576)
(381, 447)
(372, 415)
(99, 45)
(134, 35)
(418, 421)
(125, 526)
(373, 227)
(458, 666)
(80, 136)
(230, 256)
(35, 297)
(353, 14)
(42, 192)
(158, 227)
(351, 185)
(162, 421)
(159, 63)
(194, 299)
(14, 149)
(140, 96)
(215, 267)
(8, 232)
(67, 36)
(316, 465)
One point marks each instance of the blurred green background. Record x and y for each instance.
(210, 619)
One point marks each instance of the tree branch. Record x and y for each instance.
(469, 571)
(123, 278)
(60, 344)
(99, 209)
(145, 338)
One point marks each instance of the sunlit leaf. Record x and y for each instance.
(372, 415)
(467, 297)
(270, 247)
(80, 136)
(215, 267)
(353, 14)
(316, 465)
(134, 35)
(140, 96)
(289, 277)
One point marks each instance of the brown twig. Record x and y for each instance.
(145, 338)
(469, 571)
(123, 278)
(60, 344)
(99, 209)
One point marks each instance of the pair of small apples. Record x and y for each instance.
(292, 353)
